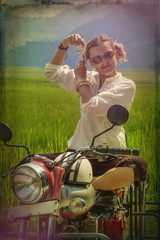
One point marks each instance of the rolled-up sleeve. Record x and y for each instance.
(121, 93)
(63, 76)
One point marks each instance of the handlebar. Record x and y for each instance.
(127, 151)
(22, 161)
(123, 151)
(102, 150)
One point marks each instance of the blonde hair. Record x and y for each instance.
(117, 47)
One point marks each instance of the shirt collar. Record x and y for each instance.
(109, 79)
(115, 77)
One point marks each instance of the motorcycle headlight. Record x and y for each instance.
(30, 183)
(77, 205)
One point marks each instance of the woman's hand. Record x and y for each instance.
(74, 39)
(82, 83)
(80, 70)
(118, 192)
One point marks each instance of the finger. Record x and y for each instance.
(72, 39)
(82, 63)
(119, 194)
(83, 42)
(80, 40)
(118, 190)
(75, 39)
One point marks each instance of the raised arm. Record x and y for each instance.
(74, 39)
(82, 83)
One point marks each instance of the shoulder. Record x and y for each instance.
(124, 80)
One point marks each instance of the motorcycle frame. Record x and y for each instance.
(135, 203)
(136, 206)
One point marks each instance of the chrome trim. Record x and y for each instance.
(44, 208)
(42, 178)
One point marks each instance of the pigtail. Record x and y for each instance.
(120, 52)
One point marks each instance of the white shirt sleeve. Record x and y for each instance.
(63, 76)
(122, 92)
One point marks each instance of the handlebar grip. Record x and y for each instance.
(125, 151)
(103, 148)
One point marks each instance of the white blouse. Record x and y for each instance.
(115, 90)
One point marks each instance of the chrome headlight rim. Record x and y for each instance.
(42, 177)
(77, 205)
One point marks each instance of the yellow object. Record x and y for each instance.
(79, 50)
(104, 146)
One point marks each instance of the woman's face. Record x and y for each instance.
(103, 59)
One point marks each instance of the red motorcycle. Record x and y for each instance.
(57, 189)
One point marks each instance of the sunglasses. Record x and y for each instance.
(98, 59)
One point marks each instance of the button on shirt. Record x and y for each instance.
(115, 90)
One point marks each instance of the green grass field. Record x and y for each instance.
(43, 117)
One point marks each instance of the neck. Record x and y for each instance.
(101, 82)
(103, 77)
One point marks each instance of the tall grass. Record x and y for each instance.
(43, 117)
(142, 133)
(141, 128)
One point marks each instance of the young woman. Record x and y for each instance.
(99, 90)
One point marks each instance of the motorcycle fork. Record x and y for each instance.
(23, 227)
(51, 228)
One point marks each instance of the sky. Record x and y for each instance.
(24, 22)
(31, 32)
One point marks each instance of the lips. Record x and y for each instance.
(106, 66)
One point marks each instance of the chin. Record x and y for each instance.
(108, 74)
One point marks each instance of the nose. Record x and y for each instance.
(104, 60)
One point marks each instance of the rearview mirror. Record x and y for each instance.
(5, 132)
(118, 115)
